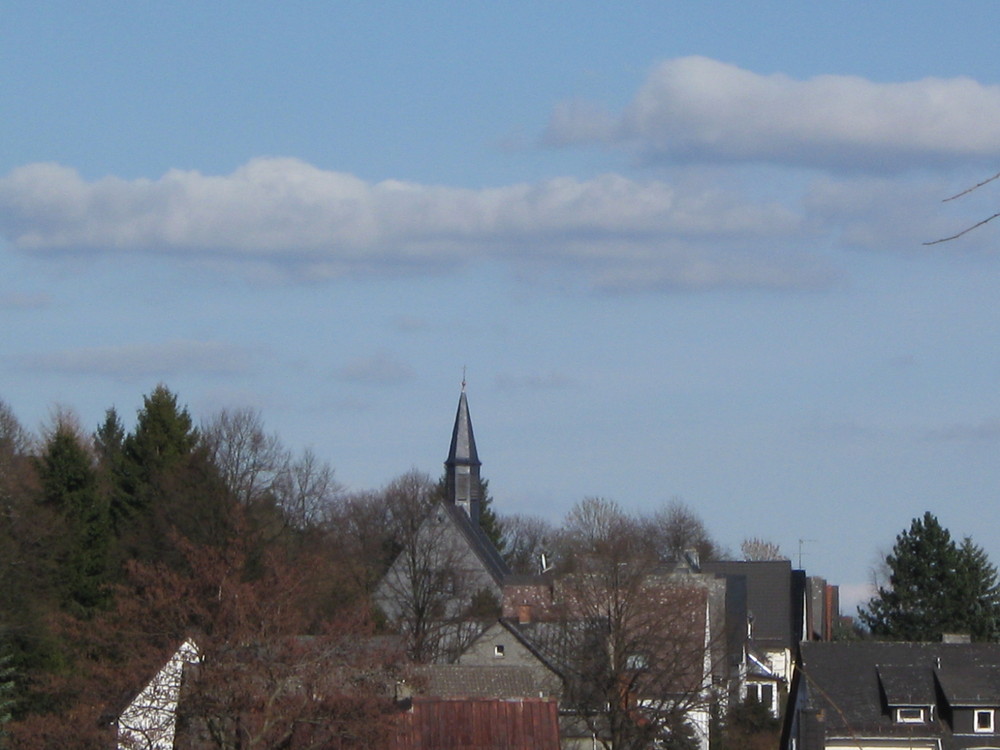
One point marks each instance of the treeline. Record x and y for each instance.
(117, 543)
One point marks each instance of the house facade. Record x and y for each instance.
(149, 721)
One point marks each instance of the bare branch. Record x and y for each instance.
(974, 187)
(964, 231)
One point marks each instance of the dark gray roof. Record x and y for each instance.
(463, 442)
(907, 685)
(479, 543)
(558, 644)
(464, 681)
(856, 684)
(970, 683)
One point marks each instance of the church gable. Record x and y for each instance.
(449, 577)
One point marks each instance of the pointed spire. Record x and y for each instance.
(462, 482)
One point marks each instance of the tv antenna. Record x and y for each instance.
(801, 543)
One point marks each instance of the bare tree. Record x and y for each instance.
(755, 549)
(675, 530)
(258, 470)
(248, 458)
(434, 592)
(638, 645)
(306, 489)
(525, 540)
(358, 535)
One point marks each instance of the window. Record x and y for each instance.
(763, 693)
(984, 720)
(909, 716)
(498, 650)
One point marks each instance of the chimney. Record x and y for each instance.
(523, 614)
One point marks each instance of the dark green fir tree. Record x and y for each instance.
(935, 586)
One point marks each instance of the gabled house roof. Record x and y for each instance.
(853, 690)
(467, 681)
(432, 724)
(906, 684)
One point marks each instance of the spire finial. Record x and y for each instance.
(463, 378)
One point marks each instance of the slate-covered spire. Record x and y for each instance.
(462, 482)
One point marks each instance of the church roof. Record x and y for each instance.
(477, 540)
(463, 442)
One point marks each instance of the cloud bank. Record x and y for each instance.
(145, 360)
(695, 109)
(323, 223)
(716, 228)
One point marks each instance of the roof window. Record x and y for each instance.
(910, 716)
(984, 721)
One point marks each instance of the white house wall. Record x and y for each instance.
(150, 720)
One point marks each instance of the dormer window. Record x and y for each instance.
(910, 716)
(498, 651)
(984, 721)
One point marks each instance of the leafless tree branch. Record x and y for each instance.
(978, 223)
(974, 187)
(964, 231)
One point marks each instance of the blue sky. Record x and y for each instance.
(678, 246)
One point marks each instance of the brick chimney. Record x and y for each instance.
(523, 614)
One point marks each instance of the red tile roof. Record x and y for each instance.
(483, 724)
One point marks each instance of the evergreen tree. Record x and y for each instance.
(69, 487)
(489, 521)
(8, 691)
(109, 439)
(935, 586)
(163, 437)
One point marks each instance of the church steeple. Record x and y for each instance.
(462, 481)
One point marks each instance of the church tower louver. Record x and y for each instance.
(462, 481)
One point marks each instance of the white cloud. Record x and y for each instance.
(854, 595)
(879, 214)
(145, 360)
(695, 109)
(379, 369)
(288, 214)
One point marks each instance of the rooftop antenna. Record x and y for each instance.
(463, 378)
(801, 542)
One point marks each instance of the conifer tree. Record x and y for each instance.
(164, 434)
(489, 521)
(166, 483)
(935, 586)
(69, 487)
(7, 691)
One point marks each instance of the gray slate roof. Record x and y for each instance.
(463, 441)
(857, 684)
(461, 681)
(479, 543)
